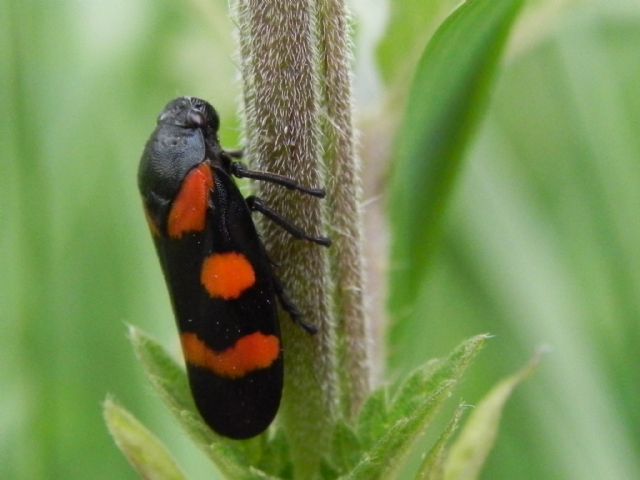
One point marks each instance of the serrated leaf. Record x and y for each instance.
(146, 454)
(422, 379)
(471, 449)
(410, 412)
(389, 451)
(233, 459)
(344, 452)
(428, 378)
(345, 448)
(447, 98)
(432, 467)
(373, 415)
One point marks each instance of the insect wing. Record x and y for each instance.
(222, 291)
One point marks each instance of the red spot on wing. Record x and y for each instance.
(252, 352)
(227, 275)
(189, 210)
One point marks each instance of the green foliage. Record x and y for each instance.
(144, 451)
(388, 439)
(538, 247)
(432, 466)
(380, 440)
(411, 24)
(376, 446)
(540, 244)
(469, 452)
(451, 86)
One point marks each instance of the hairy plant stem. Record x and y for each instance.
(278, 61)
(295, 61)
(343, 199)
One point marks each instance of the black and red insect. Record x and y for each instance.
(220, 280)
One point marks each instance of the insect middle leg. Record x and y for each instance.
(240, 171)
(257, 205)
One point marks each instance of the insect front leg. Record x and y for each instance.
(237, 154)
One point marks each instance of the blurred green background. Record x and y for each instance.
(540, 243)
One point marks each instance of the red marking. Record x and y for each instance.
(189, 210)
(227, 275)
(252, 352)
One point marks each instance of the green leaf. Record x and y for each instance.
(345, 448)
(471, 449)
(411, 23)
(276, 457)
(428, 378)
(389, 440)
(233, 459)
(144, 451)
(448, 95)
(373, 415)
(432, 467)
(378, 461)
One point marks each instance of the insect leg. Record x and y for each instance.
(235, 153)
(257, 205)
(291, 308)
(240, 171)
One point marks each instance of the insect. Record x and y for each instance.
(221, 283)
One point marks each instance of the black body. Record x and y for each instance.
(186, 138)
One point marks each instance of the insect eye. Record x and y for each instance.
(196, 119)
